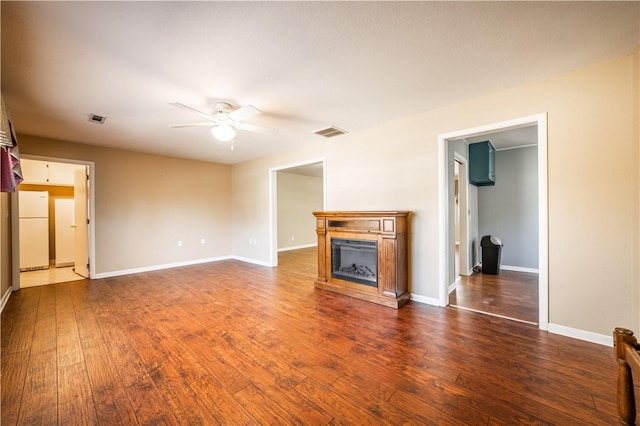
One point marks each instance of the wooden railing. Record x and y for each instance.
(625, 347)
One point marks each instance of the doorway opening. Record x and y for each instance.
(296, 190)
(53, 222)
(457, 142)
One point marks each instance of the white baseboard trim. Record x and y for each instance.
(5, 298)
(297, 247)
(249, 260)
(159, 267)
(453, 286)
(519, 269)
(426, 300)
(601, 339)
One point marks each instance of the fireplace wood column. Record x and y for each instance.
(389, 230)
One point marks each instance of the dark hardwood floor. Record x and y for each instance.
(233, 343)
(511, 294)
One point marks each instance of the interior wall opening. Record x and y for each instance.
(457, 142)
(51, 222)
(506, 210)
(297, 190)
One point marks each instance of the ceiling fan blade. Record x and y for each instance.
(256, 129)
(209, 123)
(244, 112)
(187, 107)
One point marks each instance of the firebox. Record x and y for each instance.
(355, 261)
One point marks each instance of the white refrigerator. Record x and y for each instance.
(34, 230)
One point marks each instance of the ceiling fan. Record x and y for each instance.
(224, 120)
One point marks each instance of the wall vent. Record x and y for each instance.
(330, 132)
(98, 119)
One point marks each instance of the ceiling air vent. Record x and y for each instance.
(330, 132)
(98, 119)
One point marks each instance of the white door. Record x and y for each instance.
(81, 218)
(64, 234)
(34, 172)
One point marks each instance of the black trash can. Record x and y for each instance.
(491, 251)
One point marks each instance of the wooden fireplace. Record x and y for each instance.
(364, 255)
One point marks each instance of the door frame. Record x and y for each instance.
(463, 218)
(273, 202)
(540, 120)
(15, 222)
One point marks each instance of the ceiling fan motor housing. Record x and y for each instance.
(223, 107)
(226, 117)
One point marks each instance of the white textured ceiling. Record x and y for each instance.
(306, 65)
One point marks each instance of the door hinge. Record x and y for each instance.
(87, 221)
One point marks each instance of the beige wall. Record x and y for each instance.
(145, 203)
(636, 194)
(298, 197)
(592, 162)
(5, 243)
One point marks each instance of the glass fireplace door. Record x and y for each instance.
(355, 261)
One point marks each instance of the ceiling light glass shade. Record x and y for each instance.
(223, 133)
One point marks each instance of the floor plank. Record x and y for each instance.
(51, 275)
(511, 294)
(234, 343)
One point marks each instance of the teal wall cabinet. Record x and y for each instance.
(482, 164)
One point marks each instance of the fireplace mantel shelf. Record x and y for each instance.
(388, 229)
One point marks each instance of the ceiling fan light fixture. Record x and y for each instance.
(223, 132)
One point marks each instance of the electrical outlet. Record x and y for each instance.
(202, 241)
(293, 238)
(179, 243)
